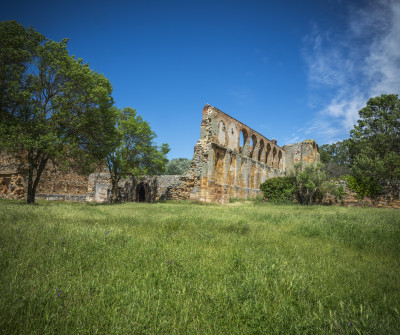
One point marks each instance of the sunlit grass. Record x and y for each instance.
(190, 268)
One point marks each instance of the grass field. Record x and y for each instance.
(186, 268)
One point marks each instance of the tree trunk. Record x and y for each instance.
(114, 187)
(38, 164)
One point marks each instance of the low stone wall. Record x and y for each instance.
(12, 185)
(153, 188)
(350, 199)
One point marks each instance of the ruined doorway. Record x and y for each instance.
(142, 192)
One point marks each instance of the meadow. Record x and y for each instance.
(188, 268)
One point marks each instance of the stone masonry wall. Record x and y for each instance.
(224, 166)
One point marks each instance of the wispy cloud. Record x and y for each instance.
(346, 69)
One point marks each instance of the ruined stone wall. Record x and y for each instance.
(225, 167)
(154, 188)
(54, 184)
(304, 152)
(12, 178)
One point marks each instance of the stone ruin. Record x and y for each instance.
(230, 160)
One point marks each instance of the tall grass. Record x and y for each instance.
(185, 268)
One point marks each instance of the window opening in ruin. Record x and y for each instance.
(260, 150)
(279, 165)
(243, 138)
(267, 158)
(253, 143)
(142, 193)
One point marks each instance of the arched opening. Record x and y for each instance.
(243, 139)
(274, 162)
(142, 192)
(279, 165)
(268, 154)
(253, 143)
(260, 150)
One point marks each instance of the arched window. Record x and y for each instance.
(268, 154)
(253, 143)
(243, 139)
(260, 150)
(279, 164)
(274, 151)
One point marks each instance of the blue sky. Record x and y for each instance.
(291, 70)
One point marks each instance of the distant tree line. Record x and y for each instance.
(54, 107)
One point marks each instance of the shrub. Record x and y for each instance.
(279, 189)
(309, 181)
(363, 187)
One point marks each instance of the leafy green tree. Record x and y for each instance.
(178, 166)
(309, 180)
(53, 106)
(376, 139)
(136, 154)
(336, 158)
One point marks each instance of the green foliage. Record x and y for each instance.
(135, 154)
(377, 139)
(280, 189)
(336, 158)
(363, 187)
(309, 180)
(53, 106)
(307, 185)
(178, 166)
(139, 268)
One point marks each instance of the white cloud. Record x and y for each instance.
(349, 68)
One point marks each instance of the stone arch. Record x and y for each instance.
(279, 163)
(274, 158)
(268, 154)
(243, 140)
(233, 137)
(143, 192)
(260, 150)
(221, 133)
(253, 144)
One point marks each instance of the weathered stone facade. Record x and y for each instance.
(230, 160)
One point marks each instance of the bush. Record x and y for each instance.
(363, 187)
(307, 185)
(280, 189)
(310, 180)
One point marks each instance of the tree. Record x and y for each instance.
(376, 139)
(309, 181)
(336, 158)
(135, 154)
(53, 106)
(178, 166)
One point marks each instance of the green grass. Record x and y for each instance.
(184, 268)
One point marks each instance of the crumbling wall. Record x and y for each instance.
(152, 188)
(12, 178)
(304, 152)
(223, 167)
